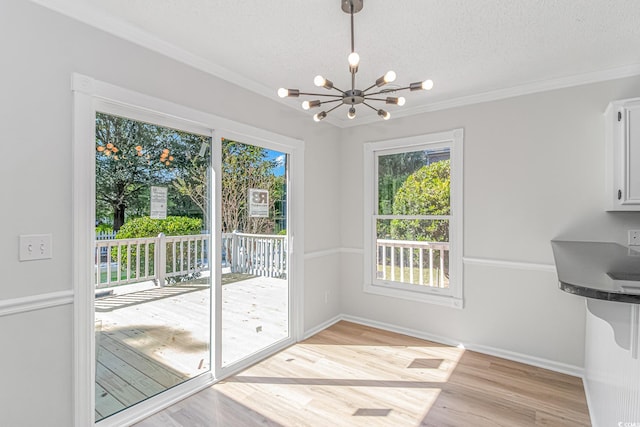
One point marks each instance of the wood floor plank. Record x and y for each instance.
(354, 375)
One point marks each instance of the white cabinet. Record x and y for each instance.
(623, 155)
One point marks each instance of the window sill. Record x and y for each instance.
(432, 297)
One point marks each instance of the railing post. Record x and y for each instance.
(161, 258)
(235, 252)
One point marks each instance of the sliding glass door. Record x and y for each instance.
(255, 293)
(183, 259)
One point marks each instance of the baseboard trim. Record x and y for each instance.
(587, 393)
(321, 327)
(539, 362)
(35, 302)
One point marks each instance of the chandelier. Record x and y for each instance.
(354, 96)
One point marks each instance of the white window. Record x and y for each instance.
(413, 218)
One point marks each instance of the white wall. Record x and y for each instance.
(534, 171)
(40, 49)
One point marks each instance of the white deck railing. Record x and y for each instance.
(403, 260)
(258, 254)
(122, 261)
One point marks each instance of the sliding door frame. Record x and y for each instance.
(89, 96)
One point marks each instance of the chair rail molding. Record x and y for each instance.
(18, 305)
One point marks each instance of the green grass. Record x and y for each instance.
(416, 275)
(114, 276)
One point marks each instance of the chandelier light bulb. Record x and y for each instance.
(310, 104)
(384, 114)
(354, 60)
(396, 101)
(319, 116)
(390, 76)
(427, 84)
(283, 93)
(322, 82)
(351, 114)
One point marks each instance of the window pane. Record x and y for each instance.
(152, 273)
(413, 251)
(414, 183)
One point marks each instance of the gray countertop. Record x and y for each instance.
(600, 270)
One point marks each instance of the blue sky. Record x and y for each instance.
(280, 158)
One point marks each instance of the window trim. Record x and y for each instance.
(452, 296)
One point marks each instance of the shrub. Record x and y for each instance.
(147, 227)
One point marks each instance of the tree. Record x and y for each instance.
(123, 162)
(132, 156)
(245, 167)
(193, 177)
(424, 192)
(393, 170)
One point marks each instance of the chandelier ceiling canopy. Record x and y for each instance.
(353, 96)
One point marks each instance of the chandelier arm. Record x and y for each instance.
(352, 43)
(330, 101)
(339, 90)
(373, 108)
(370, 87)
(321, 94)
(389, 90)
(374, 99)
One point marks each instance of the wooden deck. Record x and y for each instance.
(152, 339)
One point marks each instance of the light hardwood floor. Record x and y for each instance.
(353, 375)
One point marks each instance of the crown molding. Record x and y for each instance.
(499, 94)
(86, 14)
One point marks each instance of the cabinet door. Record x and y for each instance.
(631, 155)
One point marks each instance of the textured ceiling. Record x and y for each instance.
(471, 49)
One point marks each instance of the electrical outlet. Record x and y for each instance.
(634, 237)
(35, 246)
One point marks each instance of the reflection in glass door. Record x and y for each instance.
(152, 271)
(255, 266)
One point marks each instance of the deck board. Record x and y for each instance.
(139, 380)
(105, 403)
(156, 338)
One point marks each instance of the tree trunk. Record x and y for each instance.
(118, 216)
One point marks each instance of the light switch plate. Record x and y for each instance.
(634, 237)
(35, 246)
